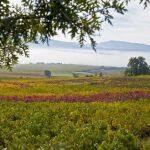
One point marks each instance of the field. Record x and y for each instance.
(37, 70)
(105, 113)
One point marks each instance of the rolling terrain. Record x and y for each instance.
(37, 70)
(108, 45)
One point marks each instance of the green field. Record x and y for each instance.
(104, 113)
(118, 125)
(37, 70)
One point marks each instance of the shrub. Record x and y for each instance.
(47, 73)
(75, 75)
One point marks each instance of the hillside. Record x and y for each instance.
(123, 46)
(36, 70)
(109, 45)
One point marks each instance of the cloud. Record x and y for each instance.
(133, 26)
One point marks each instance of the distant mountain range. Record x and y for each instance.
(110, 45)
(123, 46)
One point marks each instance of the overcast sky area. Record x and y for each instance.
(134, 27)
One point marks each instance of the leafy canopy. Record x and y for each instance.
(47, 73)
(39, 20)
(137, 66)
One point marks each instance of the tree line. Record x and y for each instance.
(137, 66)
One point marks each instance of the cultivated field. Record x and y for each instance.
(105, 113)
(37, 70)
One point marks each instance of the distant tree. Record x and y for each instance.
(100, 74)
(95, 74)
(47, 73)
(127, 72)
(137, 66)
(75, 75)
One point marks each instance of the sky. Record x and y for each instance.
(134, 27)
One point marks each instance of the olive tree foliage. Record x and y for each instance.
(39, 20)
(137, 66)
(47, 73)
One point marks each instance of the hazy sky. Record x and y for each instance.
(134, 26)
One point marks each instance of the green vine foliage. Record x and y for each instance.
(39, 20)
(78, 126)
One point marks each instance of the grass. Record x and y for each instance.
(123, 124)
(37, 70)
(35, 125)
(71, 86)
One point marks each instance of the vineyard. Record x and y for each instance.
(104, 113)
